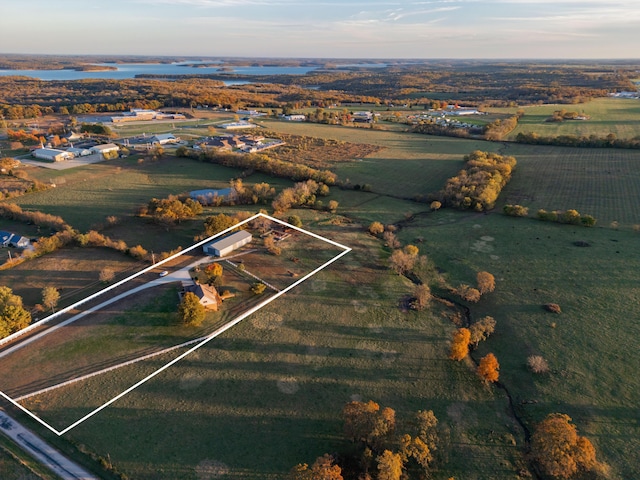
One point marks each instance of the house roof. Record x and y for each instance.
(49, 151)
(164, 136)
(204, 292)
(106, 146)
(229, 240)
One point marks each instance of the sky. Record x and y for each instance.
(606, 29)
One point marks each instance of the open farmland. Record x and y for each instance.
(268, 393)
(607, 115)
(601, 182)
(590, 346)
(408, 165)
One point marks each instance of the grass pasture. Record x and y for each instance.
(590, 350)
(607, 115)
(267, 394)
(408, 165)
(602, 182)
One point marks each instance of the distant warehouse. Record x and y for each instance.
(227, 244)
(51, 154)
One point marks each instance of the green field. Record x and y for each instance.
(607, 115)
(591, 351)
(268, 394)
(409, 164)
(601, 182)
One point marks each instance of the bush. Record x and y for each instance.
(552, 307)
(537, 364)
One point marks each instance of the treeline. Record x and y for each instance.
(498, 129)
(444, 131)
(171, 210)
(261, 163)
(591, 141)
(572, 217)
(479, 184)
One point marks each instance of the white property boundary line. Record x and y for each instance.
(207, 339)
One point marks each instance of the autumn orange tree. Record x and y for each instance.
(324, 468)
(488, 368)
(486, 282)
(365, 422)
(559, 451)
(460, 344)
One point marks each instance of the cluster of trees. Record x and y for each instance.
(300, 195)
(498, 129)
(515, 210)
(15, 212)
(262, 163)
(13, 316)
(479, 184)
(591, 141)
(429, 128)
(562, 115)
(464, 338)
(572, 217)
(241, 194)
(171, 210)
(217, 223)
(383, 449)
(97, 129)
(486, 283)
(190, 311)
(403, 260)
(559, 451)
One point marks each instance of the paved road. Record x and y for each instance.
(42, 451)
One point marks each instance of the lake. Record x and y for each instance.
(130, 70)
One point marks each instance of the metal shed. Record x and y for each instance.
(228, 243)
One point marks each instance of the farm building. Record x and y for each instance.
(79, 152)
(8, 239)
(106, 148)
(51, 154)
(237, 125)
(209, 297)
(163, 139)
(295, 118)
(228, 243)
(5, 237)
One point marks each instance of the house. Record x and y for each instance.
(106, 148)
(365, 117)
(163, 139)
(18, 241)
(5, 237)
(208, 295)
(228, 243)
(295, 118)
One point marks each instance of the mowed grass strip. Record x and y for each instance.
(604, 183)
(590, 346)
(268, 394)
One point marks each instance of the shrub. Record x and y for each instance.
(376, 228)
(515, 210)
(552, 307)
(537, 364)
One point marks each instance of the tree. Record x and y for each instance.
(138, 252)
(218, 223)
(435, 205)
(488, 368)
(106, 275)
(324, 468)
(50, 297)
(558, 449)
(486, 282)
(213, 271)
(13, 316)
(191, 312)
(402, 262)
(537, 364)
(376, 228)
(421, 297)
(389, 466)
(270, 245)
(460, 344)
(468, 293)
(365, 422)
(294, 220)
(425, 424)
(258, 288)
(332, 206)
(481, 329)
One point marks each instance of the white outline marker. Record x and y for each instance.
(207, 339)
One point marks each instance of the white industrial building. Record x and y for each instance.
(163, 139)
(51, 154)
(106, 148)
(228, 243)
(79, 152)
